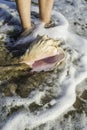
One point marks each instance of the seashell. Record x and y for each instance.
(43, 54)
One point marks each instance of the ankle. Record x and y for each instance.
(46, 21)
(27, 28)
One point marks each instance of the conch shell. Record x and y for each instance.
(43, 54)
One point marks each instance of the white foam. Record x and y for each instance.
(76, 50)
(68, 95)
(58, 32)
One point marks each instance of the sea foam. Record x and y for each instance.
(74, 72)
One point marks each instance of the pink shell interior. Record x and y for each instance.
(47, 63)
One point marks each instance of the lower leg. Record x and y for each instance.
(24, 12)
(45, 8)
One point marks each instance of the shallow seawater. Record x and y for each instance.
(55, 100)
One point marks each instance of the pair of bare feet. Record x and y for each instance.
(45, 8)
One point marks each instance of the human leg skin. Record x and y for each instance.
(45, 8)
(24, 12)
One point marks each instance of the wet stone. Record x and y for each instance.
(84, 95)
